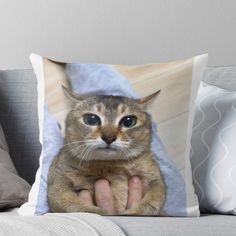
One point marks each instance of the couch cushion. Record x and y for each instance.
(221, 76)
(18, 116)
(13, 189)
(217, 225)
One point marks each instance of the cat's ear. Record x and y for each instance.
(145, 101)
(71, 95)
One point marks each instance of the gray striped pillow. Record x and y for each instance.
(213, 154)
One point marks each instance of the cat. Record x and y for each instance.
(106, 137)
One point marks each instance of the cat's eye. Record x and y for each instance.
(91, 119)
(128, 121)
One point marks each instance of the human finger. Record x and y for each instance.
(103, 196)
(135, 191)
(85, 197)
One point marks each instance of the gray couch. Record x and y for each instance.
(18, 116)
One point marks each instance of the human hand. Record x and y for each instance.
(104, 197)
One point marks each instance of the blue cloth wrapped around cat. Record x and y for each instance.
(103, 79)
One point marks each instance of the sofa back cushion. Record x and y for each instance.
(18, 113)
(221, 76)
(18, 116)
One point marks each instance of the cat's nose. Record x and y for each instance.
(109, 138)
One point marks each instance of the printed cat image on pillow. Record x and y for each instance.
(106, 137)
(114, 122)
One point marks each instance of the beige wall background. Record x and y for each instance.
(117, 31)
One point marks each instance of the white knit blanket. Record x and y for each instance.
(69, 224)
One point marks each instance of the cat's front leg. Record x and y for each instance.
(69, 201)
(119, 186)
(63, 197)
(152, 202)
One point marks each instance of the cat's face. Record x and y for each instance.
(108, 128)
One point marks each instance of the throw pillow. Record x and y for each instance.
(13, 189)
(213, 149)
(172, 111)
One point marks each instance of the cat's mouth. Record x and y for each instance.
(107, 148)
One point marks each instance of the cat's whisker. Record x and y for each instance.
(137, 151)
(83, 153)
(127, 157)
(81, 161)
(74, 147)
(77, 151)
(128, 154)
(130, 159)
(74, 150)
(133, 144)
(86, 153)
(124, 145)
(132, 153)
(136, 144)
(78, 142)
(92, 148)
(68, 145)
(125, 142)
(140, 148)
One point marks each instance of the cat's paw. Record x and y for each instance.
(94, 209)
(144, 210)
(130, 212)
(90, 209)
